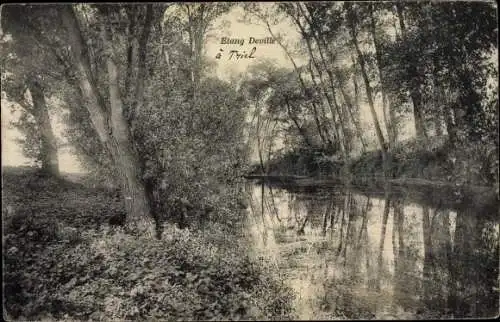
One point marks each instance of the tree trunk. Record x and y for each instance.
(437, 99)
(260, 146)
(141, 62)
(369, 94)
(415, 93)
(331, 102)
(301, 130)
(387, 108)
(322, 43)
(438, 108)
(448, 114)
(302, 83)
(416, 98)
(258, 133)
(350, 109)
(338, 134)
(324, 91)
(111, 127)
(196, 30)
(356, 100)
(48, 149)
(134, 192)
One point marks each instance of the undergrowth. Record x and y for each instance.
(62, 261)
(436, 160)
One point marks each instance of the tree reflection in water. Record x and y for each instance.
(346, 258)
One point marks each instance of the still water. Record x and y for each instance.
(353, 255)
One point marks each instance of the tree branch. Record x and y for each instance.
(141, 62)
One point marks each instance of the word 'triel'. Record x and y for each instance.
(237, 54)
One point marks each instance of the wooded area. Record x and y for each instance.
(150, 126)
(146, 115)
(412, 59)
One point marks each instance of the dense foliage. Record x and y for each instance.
(411, 61)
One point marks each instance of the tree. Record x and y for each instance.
(414, 77)
(315, 41)
(277, 96)
(25, 78)
(39, 142)
(352, 20)
(452, 61)
(272, 16)
(112, 120)
(198, 19)
(388, 108)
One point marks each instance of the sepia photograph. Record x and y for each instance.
(222, 161)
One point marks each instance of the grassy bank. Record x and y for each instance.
(435, 161)
(61, 260)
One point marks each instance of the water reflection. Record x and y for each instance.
(355, 256)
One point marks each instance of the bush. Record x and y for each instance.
(303, 161)
(464, 163)
(192, 149)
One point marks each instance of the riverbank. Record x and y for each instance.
(63, 261)
(437, 165)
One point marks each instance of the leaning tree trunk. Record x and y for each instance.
(356, 101)
(369, 95)
(111, 126)
(332, 103)
(128, 165)
(386, 103)
(302, 83)
(300, 129)
(48, 149)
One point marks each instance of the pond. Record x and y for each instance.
(375, 254)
